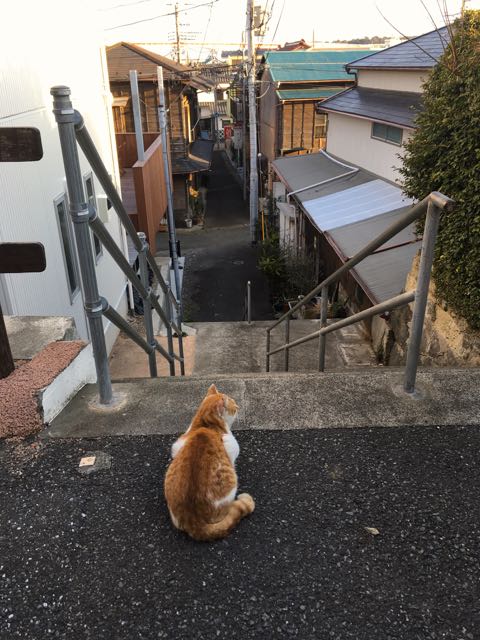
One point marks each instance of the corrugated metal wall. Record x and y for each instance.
(65, 50)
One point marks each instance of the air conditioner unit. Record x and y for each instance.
(103, 206)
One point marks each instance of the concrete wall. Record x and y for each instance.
(392, 80)
(66, 50)
(350, 139)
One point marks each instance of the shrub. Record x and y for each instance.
(444, 155)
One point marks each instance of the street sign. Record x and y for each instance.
(20, 144)
(22, 257)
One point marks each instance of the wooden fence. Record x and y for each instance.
(150, 191)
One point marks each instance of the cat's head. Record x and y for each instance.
(218, 407)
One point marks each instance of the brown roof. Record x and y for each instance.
(124, 56)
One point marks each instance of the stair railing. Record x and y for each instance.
(72, 130)
(433, 205)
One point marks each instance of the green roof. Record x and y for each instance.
(308, 66)
(307, 94)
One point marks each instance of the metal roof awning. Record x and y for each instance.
(383, 274)
(199, 158)
(351, 210)
(355, 203)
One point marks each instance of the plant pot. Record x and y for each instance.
(189, 223)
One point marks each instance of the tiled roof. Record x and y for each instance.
(418, 53)
(393, 107)
(121, 58)
(308, 66)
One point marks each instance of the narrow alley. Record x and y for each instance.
(219, 258)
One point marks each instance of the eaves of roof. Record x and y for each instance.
(390, 107)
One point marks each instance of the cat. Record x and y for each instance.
(201, 481)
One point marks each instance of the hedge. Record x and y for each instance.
(444, 155)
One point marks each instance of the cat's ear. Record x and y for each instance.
(220, 406)
(212, 389)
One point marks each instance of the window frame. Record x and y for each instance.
(62, 199)
(89, 176)
(385, 138)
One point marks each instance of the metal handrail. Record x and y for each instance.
(433, 205)
(72, 130)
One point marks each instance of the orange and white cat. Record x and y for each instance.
(201, 481)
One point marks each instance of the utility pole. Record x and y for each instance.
(172, 234)
(177, 32)
(252, 108)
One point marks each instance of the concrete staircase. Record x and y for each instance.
(352, 392)
(237, 347)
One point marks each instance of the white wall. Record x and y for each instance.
(65, 50)
(350, 139)
(392, 80)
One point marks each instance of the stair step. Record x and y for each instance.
(361, 398)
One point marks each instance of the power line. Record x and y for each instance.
(279, 19)
(163, 15)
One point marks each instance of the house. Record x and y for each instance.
(369, 123)
(189, 155)
(333, 202)
(33, 196)
(291, 87)
(296, 45)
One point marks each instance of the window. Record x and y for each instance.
(387, 133)
(68, 245)
(97, 245)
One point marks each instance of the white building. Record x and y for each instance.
(369, 123)
(57, 44)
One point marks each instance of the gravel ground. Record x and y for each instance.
(94, 556)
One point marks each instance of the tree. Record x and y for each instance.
(444, 155)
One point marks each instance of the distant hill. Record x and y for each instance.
(366, 40)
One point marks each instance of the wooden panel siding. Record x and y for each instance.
(127, 148)
(150, 191)
(297, 122)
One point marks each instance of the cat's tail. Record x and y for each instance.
(242, 506)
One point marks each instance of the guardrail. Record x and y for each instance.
(432, 205)
(72, 130)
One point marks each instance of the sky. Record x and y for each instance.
(223, 21)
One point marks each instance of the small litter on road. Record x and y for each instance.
(88, 461)
(94, 461)
(373, 530)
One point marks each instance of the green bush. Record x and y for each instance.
(444, 155)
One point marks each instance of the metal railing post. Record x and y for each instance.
(147, 307)
(322, 344)
(286, 354)
(267, 363)
(169, 314)
(421, 294)
(249, 302)
(79, 211)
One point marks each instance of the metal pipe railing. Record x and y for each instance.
(72, 131)
(388, 305)
(433, 205)
(65, 118)
(88, 147)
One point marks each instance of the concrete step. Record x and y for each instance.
(360, 398)
(237, 347)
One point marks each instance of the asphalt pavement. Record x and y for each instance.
(364, 534)
(220, 259)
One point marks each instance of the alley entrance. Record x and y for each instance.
(219, 258)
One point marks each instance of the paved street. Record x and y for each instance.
(94, 556)
(219, 258)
